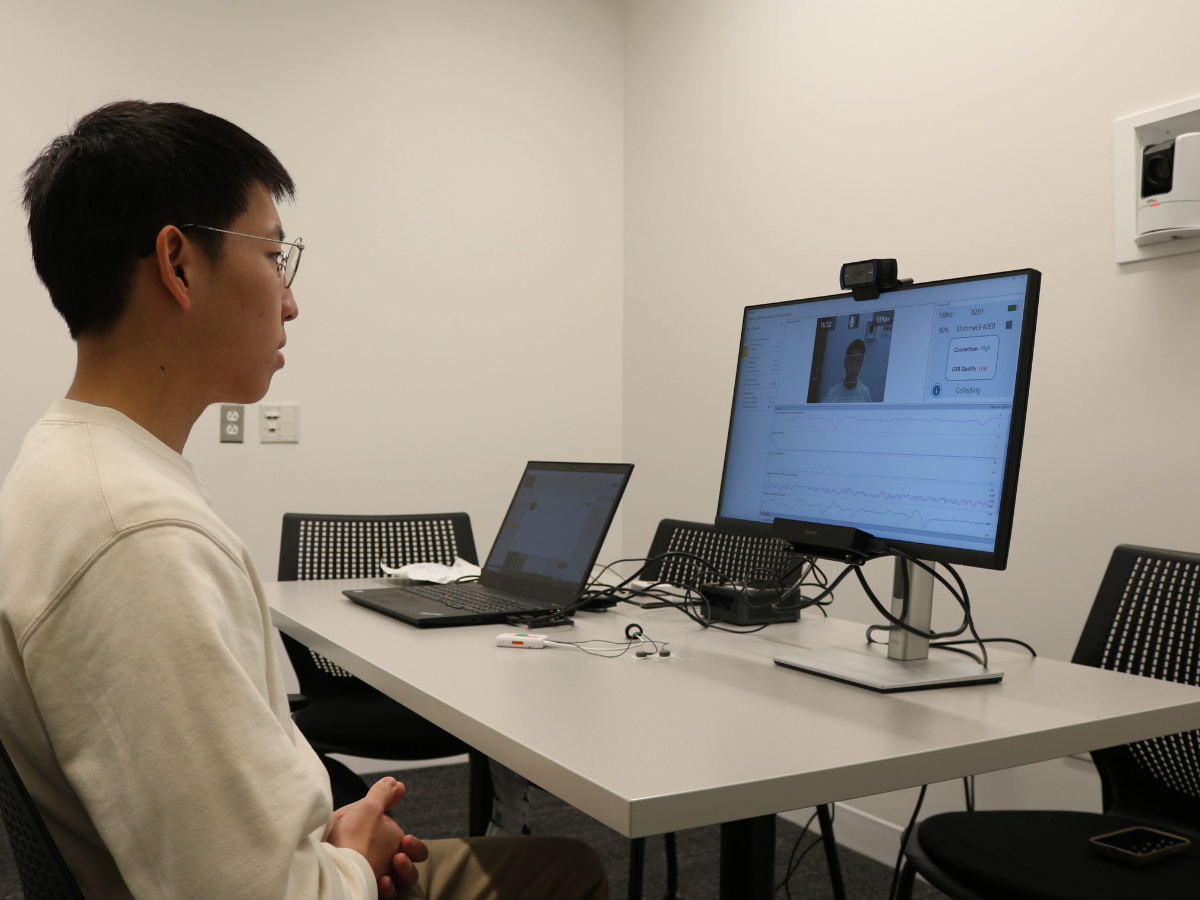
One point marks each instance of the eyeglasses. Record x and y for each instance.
(287, 262)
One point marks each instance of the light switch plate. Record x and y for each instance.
(279, 423)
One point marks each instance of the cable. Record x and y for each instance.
(700, 608)
(791, 867)
(962, 599)
(904, 841)
(960, 595)
(969, 792)
(612, 652)
(947, 644)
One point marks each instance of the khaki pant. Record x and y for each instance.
(506, 868)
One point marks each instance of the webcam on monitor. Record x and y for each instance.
(870, 276)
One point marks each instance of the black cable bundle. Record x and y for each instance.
(788, 596)
(936, 638)
(788, 593)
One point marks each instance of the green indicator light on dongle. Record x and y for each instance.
(1012, 307)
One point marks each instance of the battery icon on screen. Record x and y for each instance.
(1012, 307)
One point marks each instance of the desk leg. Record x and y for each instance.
(479, 814)
(831, 853)
(748, 859)
(637, 867)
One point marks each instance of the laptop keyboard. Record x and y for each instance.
(469, 597)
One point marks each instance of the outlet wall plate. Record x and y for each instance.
(233, 423)
(279, 423)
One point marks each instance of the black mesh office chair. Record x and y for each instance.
(740, 557)
(44, 874)
(1145, 621)
(337, 712)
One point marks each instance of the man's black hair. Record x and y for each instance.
(98, 196)
(857, 344)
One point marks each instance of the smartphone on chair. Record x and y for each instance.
(1139, 846)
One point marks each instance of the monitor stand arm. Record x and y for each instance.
(904, 645)
(909, 664)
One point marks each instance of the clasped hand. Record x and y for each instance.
(365, 827)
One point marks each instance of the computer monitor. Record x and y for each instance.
(902, 417)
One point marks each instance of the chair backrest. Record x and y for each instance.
(316, 546)
(1146, 621)
(323, 546)
(44, 874)
(737, 556)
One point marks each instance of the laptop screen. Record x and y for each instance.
(554, 527)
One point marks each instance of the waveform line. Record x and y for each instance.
(851, 513)
(878, 453)
(828, 470)
(881, 495)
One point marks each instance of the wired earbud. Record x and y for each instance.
(634, 637)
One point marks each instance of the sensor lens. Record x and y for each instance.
(1158, 170)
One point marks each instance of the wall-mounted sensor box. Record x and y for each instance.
(1169, 209)
(1156, 182)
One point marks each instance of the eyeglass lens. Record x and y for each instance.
(291, 262)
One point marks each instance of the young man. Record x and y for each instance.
(850, 389)
(140, 696)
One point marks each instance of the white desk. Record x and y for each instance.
(718, 732)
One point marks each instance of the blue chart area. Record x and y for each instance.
(916, 470)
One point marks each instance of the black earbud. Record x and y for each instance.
(664, 652)
(642, 654)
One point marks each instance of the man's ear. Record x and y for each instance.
(176, 263)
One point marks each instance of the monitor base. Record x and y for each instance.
(867, 665)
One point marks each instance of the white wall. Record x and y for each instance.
(459, 167)
(768, 141)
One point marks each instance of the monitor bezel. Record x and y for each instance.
(997, 558)
(533, 586)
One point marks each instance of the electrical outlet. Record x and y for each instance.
(233, 423)
(279, 423)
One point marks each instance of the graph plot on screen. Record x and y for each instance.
(921, 470)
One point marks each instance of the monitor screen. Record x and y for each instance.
(555, 525)
(902, 417)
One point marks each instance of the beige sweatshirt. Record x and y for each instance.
(140, 695)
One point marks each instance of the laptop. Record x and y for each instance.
(542, 557)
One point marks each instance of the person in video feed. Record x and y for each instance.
(851, 390)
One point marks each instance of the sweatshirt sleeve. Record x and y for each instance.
(151, 677)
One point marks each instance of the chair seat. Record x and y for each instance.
(374, 726)
(1042, 855)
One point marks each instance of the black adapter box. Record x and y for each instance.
(738, 605)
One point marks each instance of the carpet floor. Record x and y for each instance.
(436, 807)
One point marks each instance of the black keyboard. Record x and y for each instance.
(469, 597)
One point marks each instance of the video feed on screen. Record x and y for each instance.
(850, 358)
